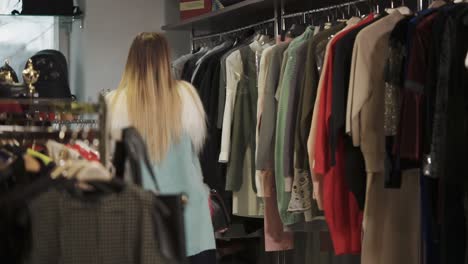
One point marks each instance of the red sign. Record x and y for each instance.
(193, 8)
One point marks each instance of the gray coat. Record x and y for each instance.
(266, 135)
(114, 229)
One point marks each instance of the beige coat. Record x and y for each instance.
(391, 216)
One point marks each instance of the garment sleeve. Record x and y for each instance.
(352, 117)
(265, 147)
(234, 72)
(295, 93)
(262, 76)
(339, 88)
(283, 67)
(242, 137)
(349, 102)
(278, 96)
(316, 178)
(321, 140)
(222, 93)
(313, 127)
(322, 150)
(363, 80)
(367, 109)
(307, 100)
(411, 119)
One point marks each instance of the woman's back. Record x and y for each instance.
(178, 171)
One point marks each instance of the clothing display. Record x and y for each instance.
(260, 132)
(276, 239)
(367, 115)
(340, 207)
(348, 122)
(284, 172)
(58, 206)
(328, 133)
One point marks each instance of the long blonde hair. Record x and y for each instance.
(153, 101)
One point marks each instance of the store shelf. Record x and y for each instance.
(241, 14)
(39, 18)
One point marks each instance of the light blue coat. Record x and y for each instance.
(180, 172)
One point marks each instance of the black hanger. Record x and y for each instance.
(296, 30)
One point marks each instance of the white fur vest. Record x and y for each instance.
(193, 116)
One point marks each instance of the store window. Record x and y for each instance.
(23, 36)
(7, 6)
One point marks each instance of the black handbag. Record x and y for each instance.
(169, 209)
(219, 214)
(53, 79)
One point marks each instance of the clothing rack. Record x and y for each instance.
(318, 10)
(33, 122)
(272, 20)
(56, 105)
(221, 34)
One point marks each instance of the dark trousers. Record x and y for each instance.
(205, 257)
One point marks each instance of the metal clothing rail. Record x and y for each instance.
(52, 105)
(323, 9)
(220, 34)
(272, 20)
(17, 124)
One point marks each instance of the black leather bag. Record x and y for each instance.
(169, 209)
(53, 79)
(219, 214)
(47, 7)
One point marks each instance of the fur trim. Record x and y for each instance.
(193, 115)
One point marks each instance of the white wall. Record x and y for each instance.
(98, 51)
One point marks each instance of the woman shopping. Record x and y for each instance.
(170, 117)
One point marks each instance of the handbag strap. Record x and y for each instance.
(136, 151)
